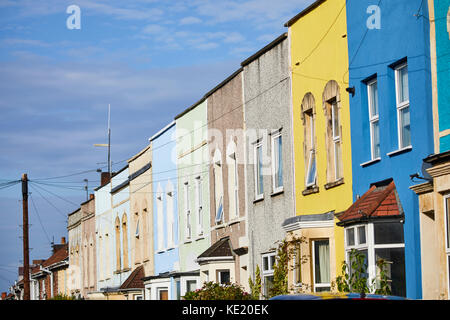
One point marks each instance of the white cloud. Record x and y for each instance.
(190, 20)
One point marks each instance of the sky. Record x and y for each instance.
(148, 59)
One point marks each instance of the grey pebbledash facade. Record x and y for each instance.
(268, 115)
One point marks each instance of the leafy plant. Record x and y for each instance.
(354, 277)
(216, 291)
(255, 287)
(62, 297)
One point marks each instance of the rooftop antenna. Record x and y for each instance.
(109, 141)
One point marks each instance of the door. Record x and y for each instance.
(163, 294)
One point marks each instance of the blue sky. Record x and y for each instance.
(149, 59)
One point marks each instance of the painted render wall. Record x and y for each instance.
(192, 162)
(442, 23)
(141, 202)
(104, 236)
(402, 35)
(319, 66)
(267, 106)
(120, 208)
(226, 136)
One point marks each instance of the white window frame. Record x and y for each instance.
(232, 161)
(401, 105)
(373, 119)
(447, 244)
(274, 136)
(188, 227)
(160, 217)
(336, 138)
(199, 204)
(267, 272)
(311, 152)
(370, 246)
(313, 254)
(170, 219)
(258, 144)
(219, 275)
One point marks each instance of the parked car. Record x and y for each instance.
(329, 295)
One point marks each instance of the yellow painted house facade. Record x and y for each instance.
(322, 147)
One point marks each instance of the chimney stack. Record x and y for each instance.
(91, 196)
(105, 177)
(3, 295)
(63, 240)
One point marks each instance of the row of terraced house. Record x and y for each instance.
(337, 132)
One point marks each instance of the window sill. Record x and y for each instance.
(199, 238)
(368, 163)
(188, 241)
(277, 192)
(310, 190)
(258, 199)
(399, 151)
(234, 221)
(334, 184)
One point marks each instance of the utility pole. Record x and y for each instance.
(26, 248)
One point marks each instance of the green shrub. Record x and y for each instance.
(216, 291)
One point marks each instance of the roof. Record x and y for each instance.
(134, 280)
(304, 12)
(380, 201)
(60, 255)
(221, 248)
(268, 47)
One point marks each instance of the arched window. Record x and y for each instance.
(118, 242)
(309, 142)
(218, 186)
(170, 216)
(138, 236)
(125, 240)
(160, 217)
(232, 180)
(91, 263)
(332, 106)
(144, 231)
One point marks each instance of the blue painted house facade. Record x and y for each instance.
(391, 127)
(164, 284)
(434, 192)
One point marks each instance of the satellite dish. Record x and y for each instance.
(425, 174)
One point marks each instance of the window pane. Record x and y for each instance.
(405, 127)
(191, 285)
(259, 164)
(279, 162)
(224, 277)
(375, 139)
(350, 237)
(395, 268)
(386, 233)
(362, 235)
(403, 89)
(352, 260)
(337, 159)
(268, 284)
(373, 92)
(265, 263)
(322, 261)
(335, 116)
(311, 178)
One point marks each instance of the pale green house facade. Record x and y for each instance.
(191, 156)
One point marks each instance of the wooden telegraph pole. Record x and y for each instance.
(26, 248)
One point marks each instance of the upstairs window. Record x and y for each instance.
(402, 97)
(308, 107)
(199, 204)
(188, 229)
(259, 186)
(218, 186)
(372, 91)
(277, 162)
(333, 143)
